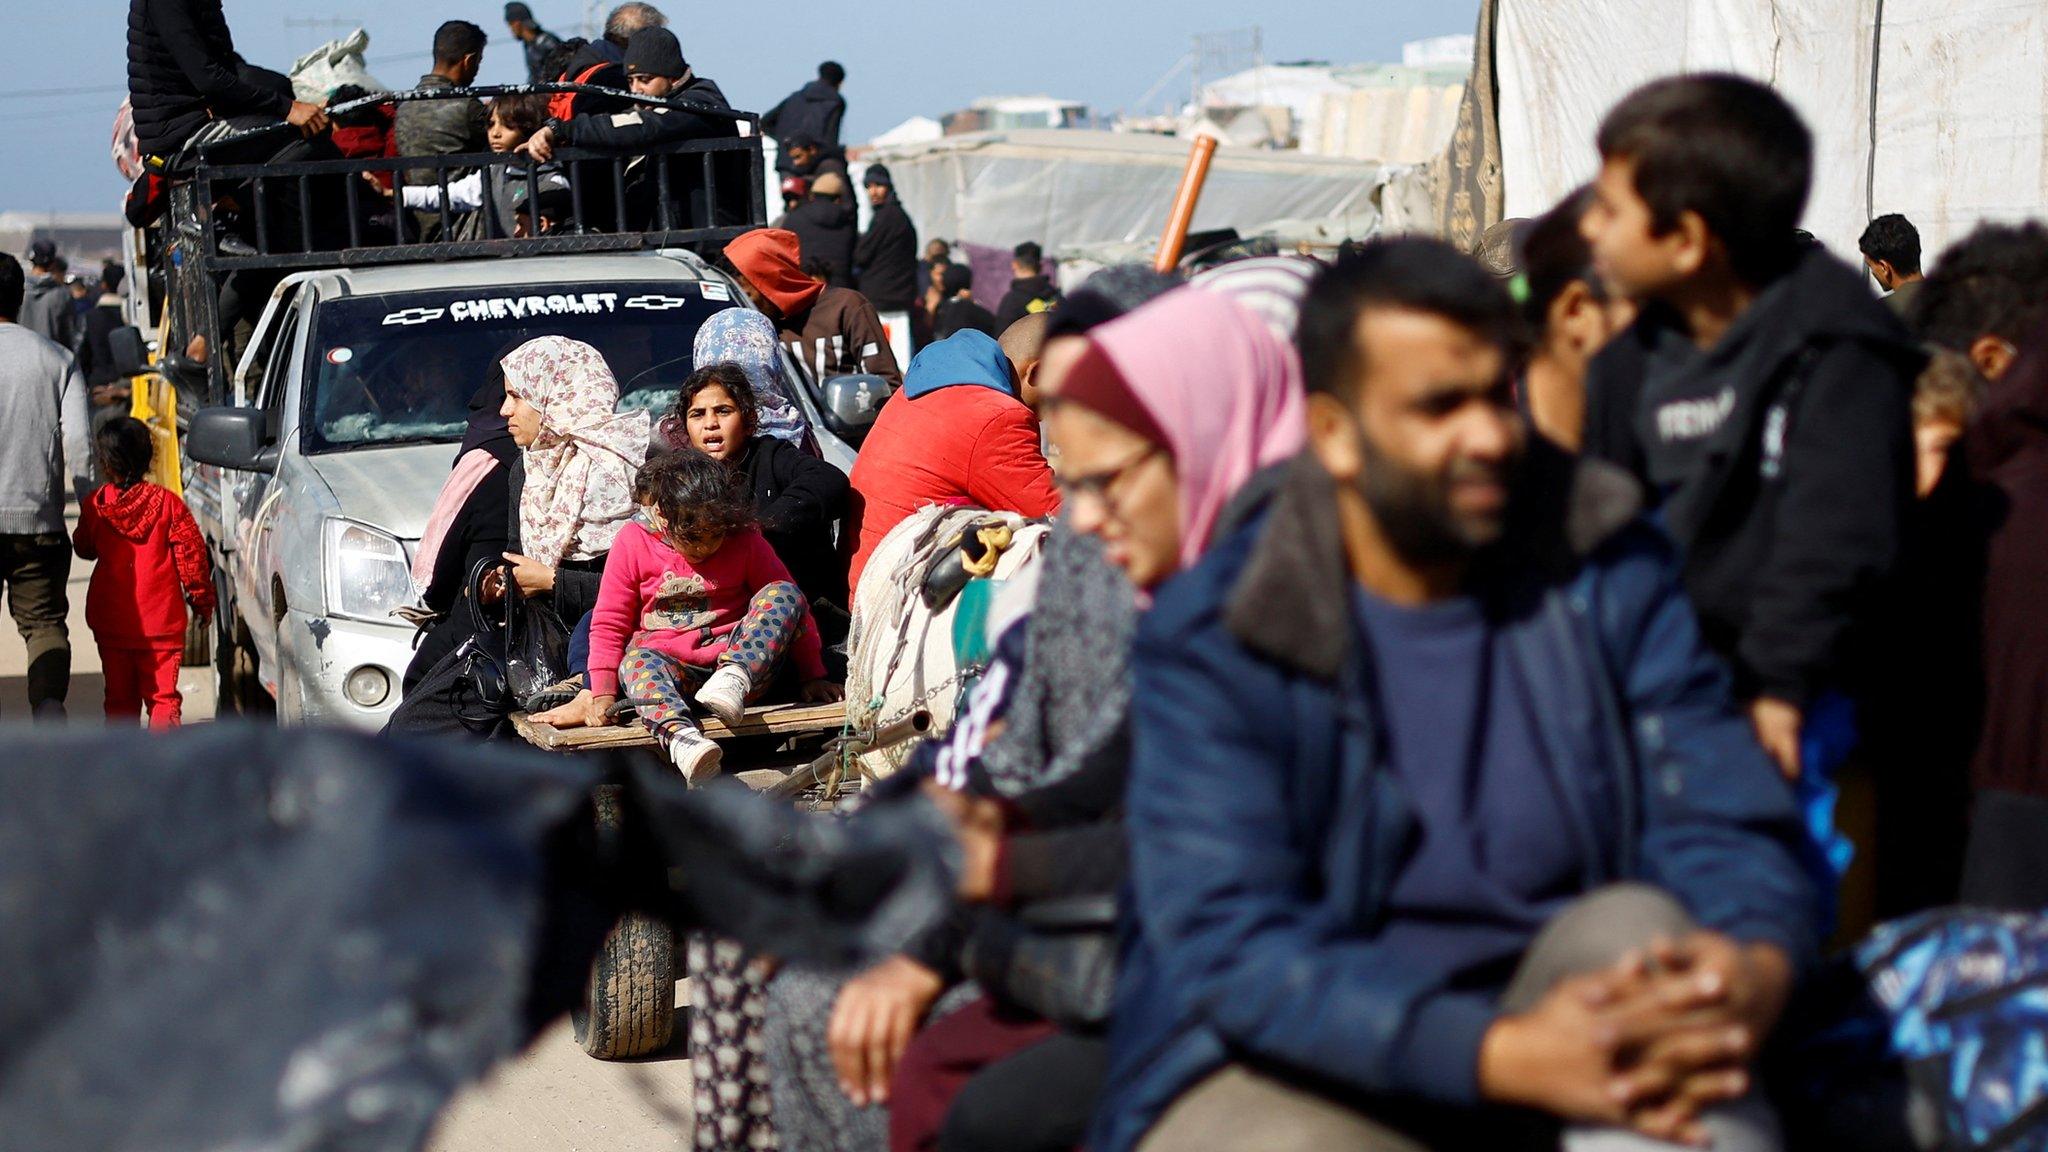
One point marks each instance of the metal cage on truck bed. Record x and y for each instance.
(300, 214)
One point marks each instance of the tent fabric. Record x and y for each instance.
(1467, 178)
(1065, 188)
(1959, 85)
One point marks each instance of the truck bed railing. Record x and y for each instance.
(681, 194)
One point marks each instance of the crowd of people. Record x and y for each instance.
(66, 436)
(1415, 736)
(1417, 733)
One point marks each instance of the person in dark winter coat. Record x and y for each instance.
(538, 41)
(885, 260)
(958, 310)
(1763, 398)
(152, 563)
(655, 67)
(183, 71)
(1421, 752)
(825, 231)
(1031, 290)
(813, 112)
(96, 350)
(445, 127)
(46, 307)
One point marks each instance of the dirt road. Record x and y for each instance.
(556, 1099)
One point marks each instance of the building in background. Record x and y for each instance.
(1397, 113)
(1016, 113)
(84, 239)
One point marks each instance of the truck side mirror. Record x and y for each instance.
(852, 403)
(131, 351)
(233, 438)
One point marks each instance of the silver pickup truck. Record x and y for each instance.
(313, 491)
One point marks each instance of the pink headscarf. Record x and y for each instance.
(1224, 390)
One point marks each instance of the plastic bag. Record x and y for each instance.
(536, 646)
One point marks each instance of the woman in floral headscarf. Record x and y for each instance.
(571, 491)
(578, 457)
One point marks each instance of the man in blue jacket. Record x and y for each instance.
(1445, 832)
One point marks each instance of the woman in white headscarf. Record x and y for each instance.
(578, 458)
(571, 491)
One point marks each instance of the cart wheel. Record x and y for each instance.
(630, 1009)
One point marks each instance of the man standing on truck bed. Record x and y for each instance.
(449, 127)
(42, 407)
(813, 112)
(184, 75)
(834, 331)
(540, 43)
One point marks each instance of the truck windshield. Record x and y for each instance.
(401, 368)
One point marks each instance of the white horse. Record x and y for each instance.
(901, 653)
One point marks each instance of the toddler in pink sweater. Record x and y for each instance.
(699, 608)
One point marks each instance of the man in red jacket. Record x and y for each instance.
(955, 434)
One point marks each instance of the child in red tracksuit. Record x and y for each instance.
(151, 564)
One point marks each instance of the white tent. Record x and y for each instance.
(1067, 188)
(1938, 112)
(916, 130)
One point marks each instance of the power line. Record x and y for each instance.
(122, 89)
(40, 93)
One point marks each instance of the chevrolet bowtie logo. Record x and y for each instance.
(658, 303)
(410, 316)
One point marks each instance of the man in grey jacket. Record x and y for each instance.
(46, 306)
(449, 127)
(42, 408)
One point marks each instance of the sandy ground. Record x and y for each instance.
(552, 1099)
(556, 1099)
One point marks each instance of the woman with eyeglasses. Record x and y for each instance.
(1160, 419)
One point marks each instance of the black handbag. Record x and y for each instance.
(467, 692)
(536, 646)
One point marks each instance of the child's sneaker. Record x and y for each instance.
(696, 755)
(725, 694)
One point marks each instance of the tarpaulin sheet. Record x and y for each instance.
(241, 940)
(1960, 88)
(1962, 114)
(1068, 188)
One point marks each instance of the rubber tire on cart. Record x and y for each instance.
(630, 1008)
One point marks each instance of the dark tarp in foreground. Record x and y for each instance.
(243, 939)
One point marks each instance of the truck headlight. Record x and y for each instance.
(367, 573)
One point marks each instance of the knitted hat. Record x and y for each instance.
(655, 52)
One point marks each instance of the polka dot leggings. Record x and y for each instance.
(660, 686)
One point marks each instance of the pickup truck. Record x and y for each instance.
(314, 471)
(313, 491)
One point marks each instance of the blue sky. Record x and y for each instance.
(903, 58)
